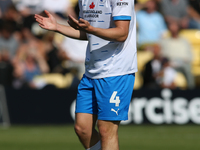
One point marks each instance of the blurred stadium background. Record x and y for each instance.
(40, 72)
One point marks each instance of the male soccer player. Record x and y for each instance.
(105, 90)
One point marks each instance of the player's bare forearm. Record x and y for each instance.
(50, 23)
(119, 33)
(71, 32)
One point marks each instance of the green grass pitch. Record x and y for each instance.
(131, 137)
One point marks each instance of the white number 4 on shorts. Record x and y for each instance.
(115, 99)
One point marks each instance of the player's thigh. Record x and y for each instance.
(113, 96)
(86, 100)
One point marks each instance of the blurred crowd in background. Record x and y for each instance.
(168, 41)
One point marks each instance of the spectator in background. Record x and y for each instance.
(151, 24)
(32, 65)
(176, 10)
(194, 12)
(168, 75)
(8, 43)
(4, 4)
(14, 18)
(178, 51)
(25, 70)
(54, 54)
(30, 59)
(151, 73)
(138, 5)
(26, 51)
(12, 14)
(158, 72)
(141, 4)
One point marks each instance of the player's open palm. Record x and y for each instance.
(48, 23)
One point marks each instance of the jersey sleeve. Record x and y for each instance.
(122, 9)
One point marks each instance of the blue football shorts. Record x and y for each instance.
(108, 98)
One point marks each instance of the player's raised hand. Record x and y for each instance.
(48, 23)
(80, 24)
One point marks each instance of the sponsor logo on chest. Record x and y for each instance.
(92, 11)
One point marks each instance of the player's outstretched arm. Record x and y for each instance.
(119, 33)
(50, 23)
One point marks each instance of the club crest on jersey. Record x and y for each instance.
(102, 1)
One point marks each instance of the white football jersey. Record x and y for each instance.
(109, 58)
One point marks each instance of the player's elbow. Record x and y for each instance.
(122, 30)
(122, 38)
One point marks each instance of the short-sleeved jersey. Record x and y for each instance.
(106, 58)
